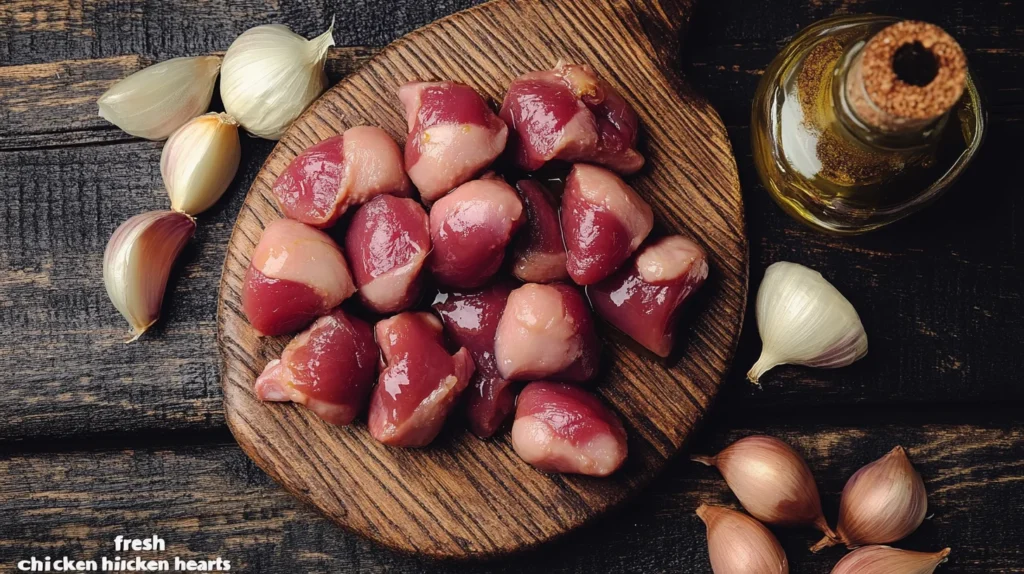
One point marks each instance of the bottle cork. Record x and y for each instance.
(907, 76)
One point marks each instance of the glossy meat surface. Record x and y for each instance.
(387, 243)
(563, 428)
(603, 222)
(297, 273)
(539, 251)
(328, 178)
(470, 229)
(546, 332)
(329, 368)
(419, 383)
(471, 321)
(644, 297)
(453, 136)
(570, 114)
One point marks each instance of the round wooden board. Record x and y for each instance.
(463, 497)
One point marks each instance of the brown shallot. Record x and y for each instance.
(738, 544)
(887, 560)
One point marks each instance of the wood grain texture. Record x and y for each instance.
(210, 500)
(463, 497)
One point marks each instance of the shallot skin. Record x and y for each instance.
(329, 368)
(546, 332)
(419, 383)
(453, 136)
(471, 320)
(470, 229)
(297, 273)
(603, 222)
(328, 178)
(387, 242)
(738, 544)
(539, 253)
(570, 114)
(563, 428)
(644, 297)
(887, 560)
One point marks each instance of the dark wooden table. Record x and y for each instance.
(99, 439)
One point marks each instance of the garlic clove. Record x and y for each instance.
(738, 544)
(886, 560)
(270, 75)
(772, 482)
(199, 161)
(138, 261)
(804, 320)
(155, 101)
(883, 502)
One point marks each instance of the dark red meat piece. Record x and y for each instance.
(539, 250)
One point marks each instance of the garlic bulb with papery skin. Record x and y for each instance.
(270, 74)
(882, 502)
(738, 544)
(199, 161)
(155, 101)
(138, 261)
(804, 320)
(887, 560)
(772, 482)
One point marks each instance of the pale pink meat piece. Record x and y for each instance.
(471, 320)
(470, 229)
(570, 114)
(453, 136)
(603, 222)
(329, 368)
(297, 273)
(419, 383)
(538, 249)
(328, 178)
(546, 332)
(644, 297)
(563, 428)
(387, 243)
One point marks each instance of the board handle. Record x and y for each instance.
(660, 23)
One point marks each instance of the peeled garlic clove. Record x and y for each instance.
(882, 502)
(804, 320)
(199, 161)
(738, 544)
(154, 102)
(772, 482)
(270, 74)
(886, 560)
(138, 261)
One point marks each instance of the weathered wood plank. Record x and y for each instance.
(54, 104)
(209, 501)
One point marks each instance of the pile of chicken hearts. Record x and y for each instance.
(534, 329)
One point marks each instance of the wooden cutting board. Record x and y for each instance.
(463, 497)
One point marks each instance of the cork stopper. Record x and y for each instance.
(906, 77)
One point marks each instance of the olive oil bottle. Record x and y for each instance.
(862, 120)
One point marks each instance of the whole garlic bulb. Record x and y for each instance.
(199, 161)
(270, 75)
(804, 320)
(155, 101)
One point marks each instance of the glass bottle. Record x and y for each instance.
(862, 120)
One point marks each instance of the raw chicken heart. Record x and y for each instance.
(546, 332)
(329, 368)
(471, 320)
(297, 273)
(563, 428)
(570, 114)
(326, 179)
(643, 298)
(539, 250)
(453, 136)
(419, 384)
(603, 222)
(387, 242)
(470, 228)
